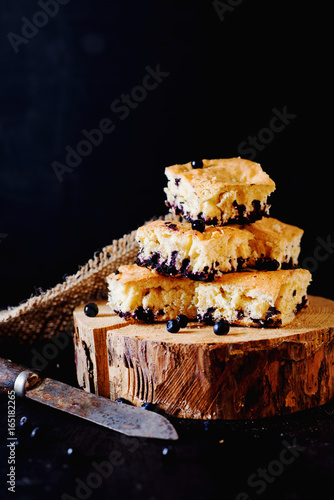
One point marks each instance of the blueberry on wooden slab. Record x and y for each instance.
(221, 327)
(91, 310)
(173, 326)
(182, 320)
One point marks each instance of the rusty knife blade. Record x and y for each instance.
(119, 417)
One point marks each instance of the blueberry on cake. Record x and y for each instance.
(139, 293)
(223, 191)
(263, 299)
(175, 248)
(258, 298)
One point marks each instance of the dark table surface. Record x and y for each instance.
(286, 457)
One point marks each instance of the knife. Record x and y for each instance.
(119, 417)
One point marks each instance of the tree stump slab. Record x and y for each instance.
(248, 373)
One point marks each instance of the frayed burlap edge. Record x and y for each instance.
(52, 311)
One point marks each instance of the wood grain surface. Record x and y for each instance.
(249, 373)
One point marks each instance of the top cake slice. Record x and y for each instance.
(219, 191)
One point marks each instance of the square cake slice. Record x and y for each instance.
(219, 192)
(263, 299)
(174, 248)
(139, 293)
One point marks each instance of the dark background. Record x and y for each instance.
(225, 78)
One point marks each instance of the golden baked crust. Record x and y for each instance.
(223, 191)
(272, 228)
(143, 294)
(141, 275)
(264, 298)
(267, 283)
(176, 248)
(259, 298)
(215, 174)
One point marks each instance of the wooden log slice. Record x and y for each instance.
(249, 373)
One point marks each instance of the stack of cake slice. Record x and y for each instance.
(227, 261)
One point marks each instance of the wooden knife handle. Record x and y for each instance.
(9, 371)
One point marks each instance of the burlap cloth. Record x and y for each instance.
(52, 311)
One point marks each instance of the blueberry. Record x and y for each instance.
(70, 453)
(198, 225)
(182, 320)
(173, 326)
(207, 425)
(197, 164)
(169, 456)
(149, 406)
(35, 432)
(221, 327)
(24, 424)
(20, 446)
(91, 309)
(73, 455)
(37, 436)
(123, 400)
(146, 315)
(24, 421)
